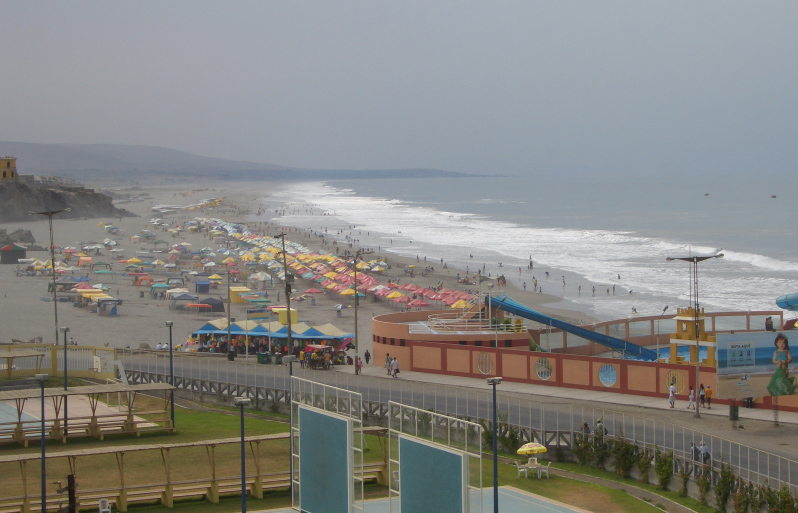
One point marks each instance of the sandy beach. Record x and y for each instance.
(28, 313)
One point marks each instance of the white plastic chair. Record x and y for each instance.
(544, 470)
(522, 469)
(105, 506)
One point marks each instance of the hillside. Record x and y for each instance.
(120, 163)
(18, 199)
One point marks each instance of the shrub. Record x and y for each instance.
(644, 464)
(723, 488)
(685, 478)
(758, 500)
(704, 483)
(786, 503)
(582, 449)
(663, 467)
(741, 497)
(624, 453)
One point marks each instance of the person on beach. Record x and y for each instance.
(672, 395)
(691, 398)
(702, 396)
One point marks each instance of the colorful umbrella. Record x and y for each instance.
(531, 448)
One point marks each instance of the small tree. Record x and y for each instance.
(644, 464)
(742, 497)
(664, 468)
(704, 482)
(723, 488)
(583, 449)
(684, 477)
(624, 453)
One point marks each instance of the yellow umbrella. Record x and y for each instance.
(347, 292)
(394, 294)
(532, 448)
(461, 304)
(214, 277)
(134, 260)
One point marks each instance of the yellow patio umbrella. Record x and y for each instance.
(134, 260)
(531, 448)
(348, 292)
(394, 294)
(461, 304)
(214, 277)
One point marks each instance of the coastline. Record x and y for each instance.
(29, 314)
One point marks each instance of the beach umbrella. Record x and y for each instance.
(312, 291)
(531, 448)
(395, 294)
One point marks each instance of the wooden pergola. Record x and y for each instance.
(10, 356)
(95, 425)
(211, 486)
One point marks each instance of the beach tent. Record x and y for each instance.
(217, 305)
(11, 253)
(202, 287)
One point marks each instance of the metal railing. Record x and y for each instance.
(536, 420)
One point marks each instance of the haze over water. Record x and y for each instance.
(588, 231)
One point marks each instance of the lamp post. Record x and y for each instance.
(288, 279)
(357, 300)
(658, 320)
(171, 371)
(50, 214)
(41, 378)
(693, 260)
(65, 330)
(241, 402)
(493, 382)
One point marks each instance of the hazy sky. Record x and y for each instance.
(499, 86)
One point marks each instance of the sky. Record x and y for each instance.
(511, 87)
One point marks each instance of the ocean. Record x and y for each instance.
(613, 235)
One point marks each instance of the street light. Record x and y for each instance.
(65, 330)
(660, 318)
(493, 382)
(41, 378)
(693, 260)
(50, 214)
(171, 371)
(357, 300)
(241, 402)
(289, 278)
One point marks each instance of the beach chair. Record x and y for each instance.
(521, 468)
(105, 506)
(544, 470)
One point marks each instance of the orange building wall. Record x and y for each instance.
(427, 358)
(643, 379)
(576, 372)
(458, 360)
(514, 366)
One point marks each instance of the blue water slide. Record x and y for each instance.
(503, 302)
(788, 302)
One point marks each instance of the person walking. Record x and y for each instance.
(395, 367)
(709, 397)
(672, 395)
(702, 397)
(367, 356)
(388, 363)
(691, 398)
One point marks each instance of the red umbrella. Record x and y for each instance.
(312, 291)
(401, 299)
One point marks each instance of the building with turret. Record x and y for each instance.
(8, 165)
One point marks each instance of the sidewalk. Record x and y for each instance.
(608, 399)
